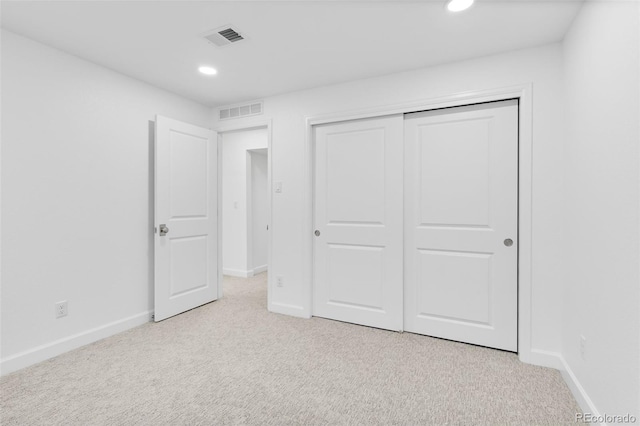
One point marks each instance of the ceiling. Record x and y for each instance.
(291, 45)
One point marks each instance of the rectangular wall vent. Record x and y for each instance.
(223, 36)
(237, 111)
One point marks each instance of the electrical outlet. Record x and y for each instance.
(279, 281)
(583, 347)
(61, 309)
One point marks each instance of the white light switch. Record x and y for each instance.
(278, 187)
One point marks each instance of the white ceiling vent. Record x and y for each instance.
(237, 111)
(223, 36)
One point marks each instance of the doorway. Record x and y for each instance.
(257, 210)
(244, 201)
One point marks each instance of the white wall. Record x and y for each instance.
(542, 66)
(259, 210)
(77, 211)
(602, 254)
(235, 198)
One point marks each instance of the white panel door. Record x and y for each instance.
(358, 221)
(461, 223)
(186, 202)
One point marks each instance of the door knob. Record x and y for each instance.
(508, 242)
(317, 233)
(163, 230)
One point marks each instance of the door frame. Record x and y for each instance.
(522, 92)
(222, 128)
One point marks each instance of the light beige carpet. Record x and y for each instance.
(232, 362)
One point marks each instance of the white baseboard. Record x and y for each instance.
(242, 273)
(60, 346)
(259, 269)
(544, 359)
(292, 310)
(557, 361)
(579, 393)
(237, 273)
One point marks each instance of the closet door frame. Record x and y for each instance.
(521, 92)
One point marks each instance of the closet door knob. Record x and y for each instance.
(508, 242)
(317, 233)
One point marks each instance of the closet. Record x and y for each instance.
(416, 221)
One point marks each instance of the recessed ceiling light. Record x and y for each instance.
(208, 70)
(459, 5)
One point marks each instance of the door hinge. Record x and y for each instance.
(155, 229)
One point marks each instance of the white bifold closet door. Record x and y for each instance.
(357, 268)
(461, 223)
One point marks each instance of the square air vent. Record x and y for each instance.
(237, 111)
(223, 36)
